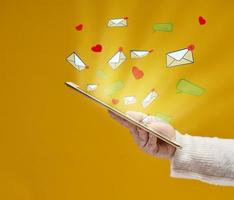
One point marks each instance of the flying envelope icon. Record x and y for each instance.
(180, 57)
(149, 98)
(139, 53)
(185, 86)
(117, 59)
(91, 87)
(129, 100)
(76, 61)
(120, 22)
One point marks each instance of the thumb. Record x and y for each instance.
(164, 128)
(138, 116)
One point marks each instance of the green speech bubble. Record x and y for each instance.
(185, 86)
(114, 87)
(165, 27)
(101, 74)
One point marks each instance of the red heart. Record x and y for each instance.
(137, 73)
(191, 47)
(115, 101)
(202, 21)
(79, 27)
(97, 48)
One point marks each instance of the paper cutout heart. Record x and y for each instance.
(115, 101)
(191, 47)
(97, 48)
(79, 27)
(137, 73)
(202, 20)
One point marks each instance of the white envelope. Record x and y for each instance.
(139, 53)
(180, 57)
(129, 100)
(76, 61)
(91, 87)
(117, 60)
(117, 22)
(149, 98)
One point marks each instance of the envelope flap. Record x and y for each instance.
(78, 61)
(150, 96)
(140, 53)
(122, 56)
(189, 56)
(115, 58)
(178, 55)
(71, 58)
(116, 21)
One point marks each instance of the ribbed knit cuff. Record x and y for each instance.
(201, 158)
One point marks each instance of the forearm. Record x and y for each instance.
(207, 159)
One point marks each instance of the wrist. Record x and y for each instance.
(172, 152)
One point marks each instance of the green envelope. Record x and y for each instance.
(114, 87)
(185, 86)
(165, 27)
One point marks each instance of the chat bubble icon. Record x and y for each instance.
(185, 86)
(114, 87)
(101, 74)
(164, 27)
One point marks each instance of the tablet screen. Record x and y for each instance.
(158, 134)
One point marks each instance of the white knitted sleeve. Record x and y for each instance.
(206, 159)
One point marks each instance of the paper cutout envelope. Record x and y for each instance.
(76, 61)
(129, 100)
(117, 22)
(149, 98)
(117, 60)
(139, 53)
(180, 57)
(91, 87)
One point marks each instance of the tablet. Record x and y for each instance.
(158, 134)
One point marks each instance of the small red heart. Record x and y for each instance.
(202, 21)
(115, 101)
(191, 47)
(120, 49)
(137, 73)
(79, 27)
(97, 48)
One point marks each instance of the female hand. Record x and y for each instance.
(146, 141)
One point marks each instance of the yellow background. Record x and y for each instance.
(55, 144)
